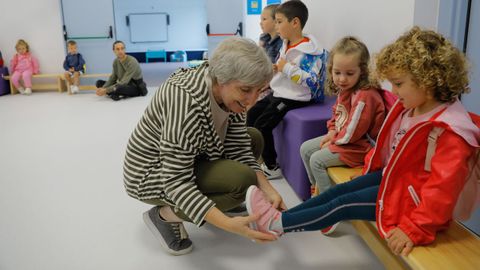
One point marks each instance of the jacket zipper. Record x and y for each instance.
(414, 195)
(388, 171)
(380, 132)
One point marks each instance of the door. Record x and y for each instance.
(90, 23)
(472, 100)
(224, 19)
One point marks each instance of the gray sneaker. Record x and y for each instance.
(172, 235)
(271, 174)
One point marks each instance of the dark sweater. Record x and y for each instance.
(74, 60)
(271, 46)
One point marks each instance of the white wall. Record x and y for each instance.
(375, 26)
(252, 23)
(426, 13)
(375, 22)
(223, 17)
(252, 28)
(185, 32)
(40, 24)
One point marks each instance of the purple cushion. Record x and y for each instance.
(4, 84)
(298, 126)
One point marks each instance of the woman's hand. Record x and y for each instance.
(101, 91)
(239, 225)
(275, 198)
(399, 242)
(271, 193)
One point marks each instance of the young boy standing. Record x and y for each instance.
(297, 74)
(74, 67)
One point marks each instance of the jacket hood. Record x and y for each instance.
(460, 122)
(311, 47)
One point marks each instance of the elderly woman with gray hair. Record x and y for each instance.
(192, 156)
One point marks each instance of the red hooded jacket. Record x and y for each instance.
(357, 121)
(418, 200)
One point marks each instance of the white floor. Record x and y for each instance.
(63, 206)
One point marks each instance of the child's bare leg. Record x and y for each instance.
(76, 78)
(68, 79)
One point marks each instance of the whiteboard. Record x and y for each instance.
(148, 27)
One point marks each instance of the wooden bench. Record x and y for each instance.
(454, 248)
(87, 86)
(60, 84)
(41, 86)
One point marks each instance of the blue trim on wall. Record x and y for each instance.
(270, 2)
(191, 55)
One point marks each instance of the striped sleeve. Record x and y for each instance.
(179, 146)
(238, 144)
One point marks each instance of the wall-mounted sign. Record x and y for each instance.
(254, 7)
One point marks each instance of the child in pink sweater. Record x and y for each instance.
(23, 65)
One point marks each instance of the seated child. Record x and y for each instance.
(74, 67)
(357, 115)
(270, 40)
(420, 166)
(297, 73)
(23, 65)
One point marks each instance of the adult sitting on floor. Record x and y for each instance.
(126, 79)
(191, 154)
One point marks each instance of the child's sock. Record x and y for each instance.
(277, 225)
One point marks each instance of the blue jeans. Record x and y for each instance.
(355, 199)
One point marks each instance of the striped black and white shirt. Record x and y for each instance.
(176, 128)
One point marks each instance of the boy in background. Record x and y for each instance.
(74, 66)
(297, 75)
(269, 39)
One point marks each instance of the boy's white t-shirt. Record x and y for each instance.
(406, 123)
(287, 87)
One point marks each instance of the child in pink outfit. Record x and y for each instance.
(23, 65)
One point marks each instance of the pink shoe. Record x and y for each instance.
(258, 204)
(329, 230)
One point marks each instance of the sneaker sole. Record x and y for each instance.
(252, 225)
(158, 235)
(275, 176)
(332, 230)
